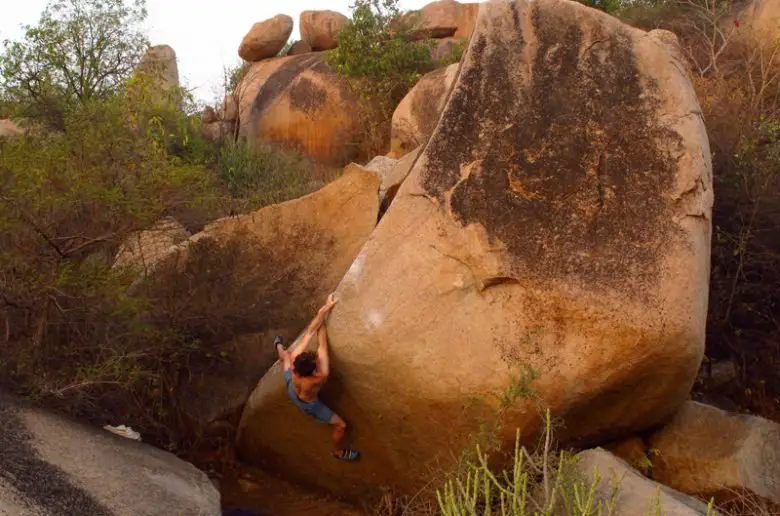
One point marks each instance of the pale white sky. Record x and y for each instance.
(204, 33)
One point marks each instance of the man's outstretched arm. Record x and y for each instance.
(314, 326)
(322, 351)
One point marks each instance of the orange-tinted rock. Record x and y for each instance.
(416, 116)
(444, 19)
(266, 39)
(320, 28)
(707, 451)
(299, 103)
(558, 218)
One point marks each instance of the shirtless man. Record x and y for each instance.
(305, 372)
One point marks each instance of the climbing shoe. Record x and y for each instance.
(347, 454)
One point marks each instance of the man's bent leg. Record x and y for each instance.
(339, 431)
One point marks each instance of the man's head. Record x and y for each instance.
(305, 364)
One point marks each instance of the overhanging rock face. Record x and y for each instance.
(558, 219)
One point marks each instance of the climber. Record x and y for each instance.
(305, 372)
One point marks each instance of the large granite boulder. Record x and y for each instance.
(50, 466)
(706, 451)
(266, 39)
(298, 102)
(558, 219)
(760, 20)
(320, 28)
(416, 116)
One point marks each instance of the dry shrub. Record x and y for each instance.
(737, 78)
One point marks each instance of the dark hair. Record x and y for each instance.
(305, 364)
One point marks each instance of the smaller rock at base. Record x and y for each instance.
(707, 451)
(266, 39)
(299, 47)
(394, 178)
(634, 451)
(636, 495)
(217, 131)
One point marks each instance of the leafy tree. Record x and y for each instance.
(80, 50)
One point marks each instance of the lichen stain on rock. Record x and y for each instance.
(281, 79)
(307, 96)
(575, 164)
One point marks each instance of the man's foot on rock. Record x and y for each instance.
(277, 341)
(347, 454)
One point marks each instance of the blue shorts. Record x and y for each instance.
(316, 409)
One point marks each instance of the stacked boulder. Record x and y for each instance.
(319, 29)
(266, 39)
(291, 98)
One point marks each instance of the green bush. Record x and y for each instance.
(379, 56)
(233, 76)
(542, 482)
(112, 163)
(262, 175)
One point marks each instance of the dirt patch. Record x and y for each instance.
(252, 492)
(575, 155)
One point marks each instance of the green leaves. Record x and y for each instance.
(262, 176)
(377, 51)
(80, 50)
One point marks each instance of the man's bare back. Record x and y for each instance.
(308, 388)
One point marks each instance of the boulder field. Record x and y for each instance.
(559, 219)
